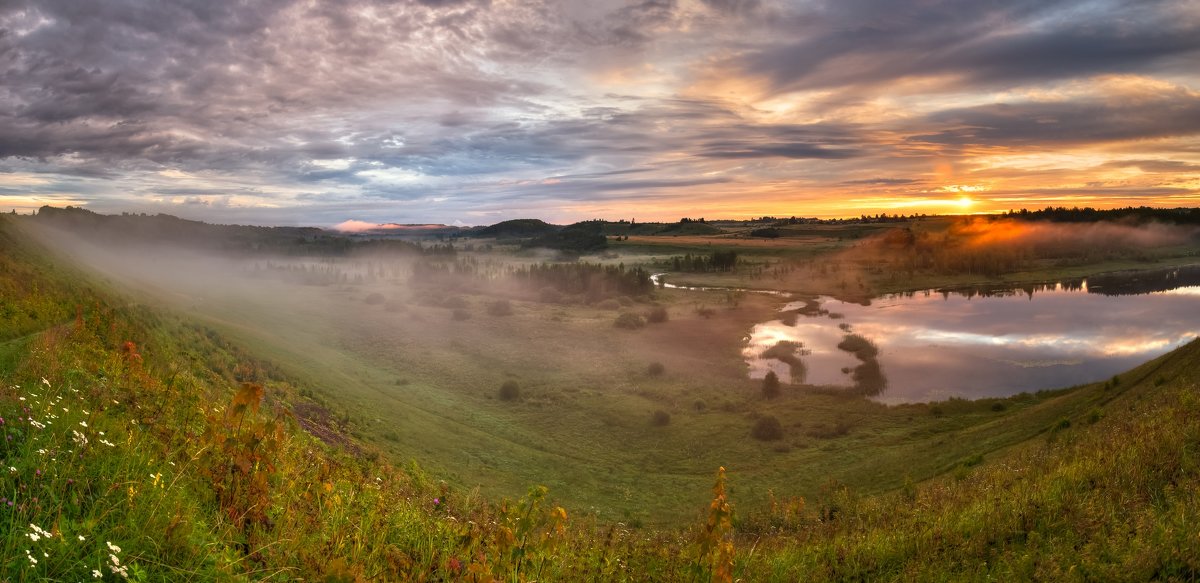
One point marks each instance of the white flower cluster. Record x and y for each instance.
(116, 567)
(37, 533)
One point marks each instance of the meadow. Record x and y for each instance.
(359, 430)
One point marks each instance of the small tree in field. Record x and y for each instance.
(510, 391)
(770, 385)
(767, 429)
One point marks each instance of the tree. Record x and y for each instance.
(510, 391)
(770, 385)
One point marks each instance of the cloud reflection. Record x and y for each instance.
(934, 346)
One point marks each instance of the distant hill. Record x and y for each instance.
(688, 228)
(162, 229)
(584, 237)
(516, 229)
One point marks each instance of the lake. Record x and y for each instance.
(975, 343)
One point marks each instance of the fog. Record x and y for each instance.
(413, 347)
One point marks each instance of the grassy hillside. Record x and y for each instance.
(138, 443)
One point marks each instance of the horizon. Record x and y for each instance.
(351, 226)
(464, 112)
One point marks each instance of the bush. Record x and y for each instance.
(822, 431)
(629, 321)
(657, 315)
(770, 385)
(700, 405)
(656, 369)
(858, 346)
(660, 418)
(374, 299)
(500, 308)
(609, 304)
(767, 429)
(510, 391)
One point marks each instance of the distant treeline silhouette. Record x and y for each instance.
(1141, 214)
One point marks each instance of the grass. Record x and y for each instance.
(131, 428)
(580, 426)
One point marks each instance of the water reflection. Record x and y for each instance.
(980, 343)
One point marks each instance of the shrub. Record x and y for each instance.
(770, 385)
(629, 321)
(656, 369)
(700, 405)
(767, 429)
(374, 299)
(998, 406)
(500, 308)
(609, 304)
(510, 391)
(822, 431)
(657, 315)
(660, 418)
(861, 347)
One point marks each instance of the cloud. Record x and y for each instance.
(1164, 114)
(437, 109)
(864, 44)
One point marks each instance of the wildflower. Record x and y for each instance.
(45, 382)
(83, 423)
(12, 469)
(82, 538)
(113, 548)
(28, 555)
(96, 573)
(79, 438)
(38, 532)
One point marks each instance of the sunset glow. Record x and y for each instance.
(474, 112)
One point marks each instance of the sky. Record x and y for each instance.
(311, 112)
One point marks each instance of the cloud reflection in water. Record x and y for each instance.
(935, 346)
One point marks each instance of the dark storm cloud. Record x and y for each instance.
(1074, 122)
(864, 43)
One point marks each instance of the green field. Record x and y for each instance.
(411, 378)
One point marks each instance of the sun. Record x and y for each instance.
(964, 202)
